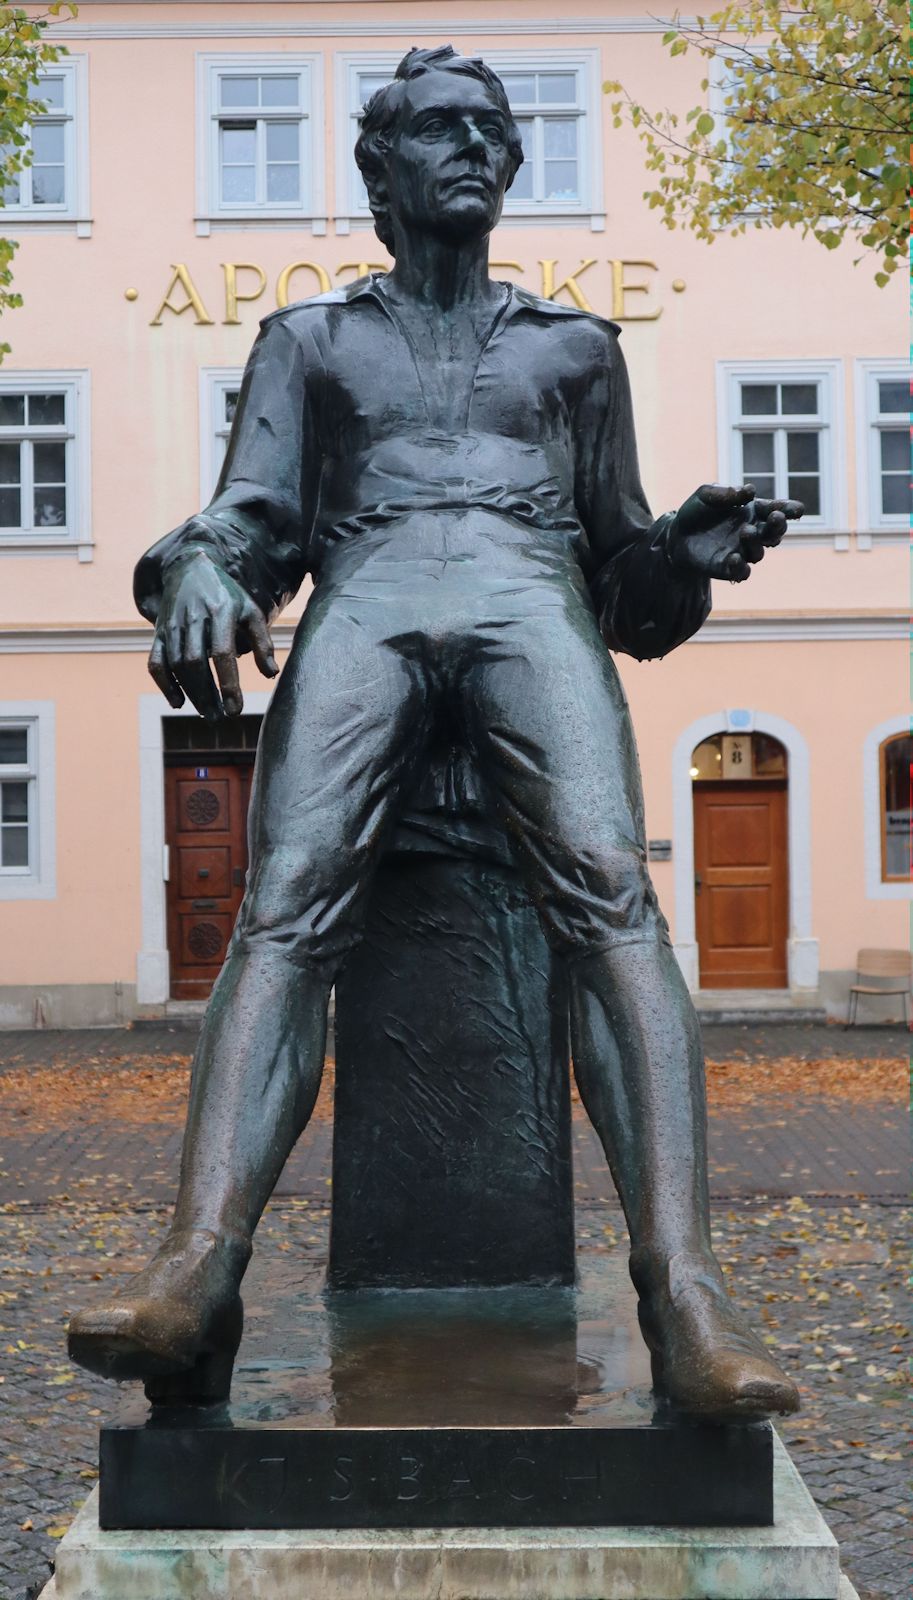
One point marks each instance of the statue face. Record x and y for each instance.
(449, 163)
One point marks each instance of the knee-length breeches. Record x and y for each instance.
(487, 625)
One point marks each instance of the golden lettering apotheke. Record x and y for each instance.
(627, 290)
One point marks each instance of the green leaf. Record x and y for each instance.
(705, 124)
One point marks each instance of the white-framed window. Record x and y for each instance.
(44, 435)
(53, 187)
(883, 418)
(219, 390)
(780, 427)
(260, 138)
(557, 103)
(888, 809)
(27, 800)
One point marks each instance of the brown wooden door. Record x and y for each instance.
(741, 884)
(206, 830)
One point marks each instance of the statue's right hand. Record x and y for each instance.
(201, 612)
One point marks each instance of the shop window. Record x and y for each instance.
(551, 99)
(26, 801)
(51, 187)
(261, 137)
(41, 481)
(883, 447)
(896, 766)
(778, 432)
(737, 756)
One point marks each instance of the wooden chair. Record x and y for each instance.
(892, 967)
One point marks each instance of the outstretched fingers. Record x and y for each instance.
(260, 642)
(225, 661)
(162, 675)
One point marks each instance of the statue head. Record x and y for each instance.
(438, 147)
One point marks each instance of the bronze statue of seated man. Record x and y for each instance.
(453, 462)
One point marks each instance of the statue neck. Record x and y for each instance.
(440, 274)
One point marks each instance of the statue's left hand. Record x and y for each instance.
(721, 532)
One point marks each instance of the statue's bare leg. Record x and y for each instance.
(338, 749)
(553, 733)
(639, 1066)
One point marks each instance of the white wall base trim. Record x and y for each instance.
(803, 964)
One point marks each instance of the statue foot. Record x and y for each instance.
(177, 1325)
(705, 1358)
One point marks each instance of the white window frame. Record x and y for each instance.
(875, 886)
(872, 525)
(38, 881)
(832, 522)
(75, 208)
(76, 539)
(586, 63)
(215, 382)
(211, 211)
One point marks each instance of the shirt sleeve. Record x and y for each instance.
(257, 525)
(645, 607)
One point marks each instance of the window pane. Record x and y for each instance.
(521, 88)
(894, 396)
(9, 463)
(802, 452)
(808, 490)
(14, 846)
(12, 410)
(560, 180)
(896, 495)
(369, 83)
(50, 90)
(560, 137)
(10, 508)
(239, 92)
(522, 186)
(759, 399)
(897, 756)
(50, 508)
(231, 405)
(707, 759)
(757, 452)
(282, 141)
(768, 756)
(12, 192)
(48, 186)
(14, 802)
(46, 410)
(14, 746)
(238, 184)
(557, 88)
(282, 182)
(50, 463)
(799, 399)
(47, 142)
(895, 450)
(239, 143)
(279, 91)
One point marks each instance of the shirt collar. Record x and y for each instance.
(520, 300)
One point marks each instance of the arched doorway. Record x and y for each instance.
(741, 860)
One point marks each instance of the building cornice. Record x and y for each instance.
(721, 627)
(419, 27)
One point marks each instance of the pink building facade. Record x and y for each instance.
(194, 170)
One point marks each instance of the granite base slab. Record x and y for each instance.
(795, 1559)
(444, 1408)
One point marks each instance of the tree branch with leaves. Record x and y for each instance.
(805, 124)
(25, 53)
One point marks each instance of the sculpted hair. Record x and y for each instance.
(373, 144)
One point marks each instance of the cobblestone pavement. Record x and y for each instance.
(823, 1278)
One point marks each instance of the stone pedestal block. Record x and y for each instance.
(452, 1125)
(795, 1559)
